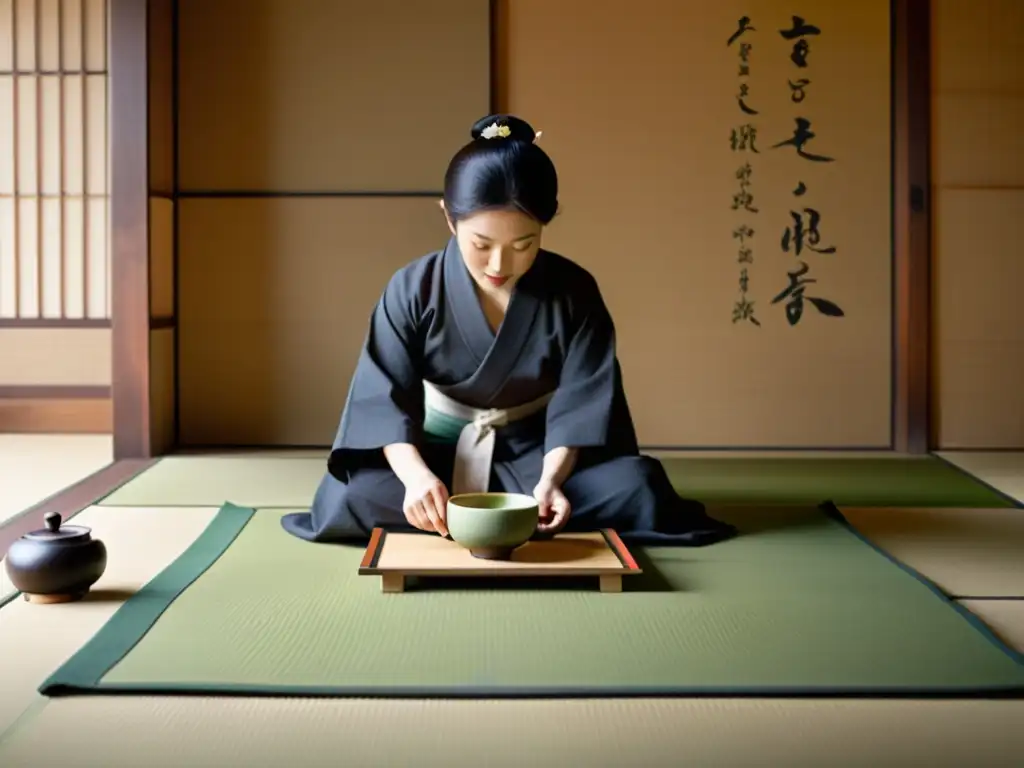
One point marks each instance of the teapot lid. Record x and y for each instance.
(54, 531)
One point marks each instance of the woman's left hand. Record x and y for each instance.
(554, 507)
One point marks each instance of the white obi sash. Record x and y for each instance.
(474, 427)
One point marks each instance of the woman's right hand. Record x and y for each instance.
(426, 503)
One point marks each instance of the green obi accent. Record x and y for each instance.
(441, 428)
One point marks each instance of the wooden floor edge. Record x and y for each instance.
(73, 499)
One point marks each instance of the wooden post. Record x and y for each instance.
(911, 67)
(141, 221)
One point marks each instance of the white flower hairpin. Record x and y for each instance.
(495, 131)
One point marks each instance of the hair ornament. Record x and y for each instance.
(495, 131)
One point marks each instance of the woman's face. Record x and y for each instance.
(498, 247)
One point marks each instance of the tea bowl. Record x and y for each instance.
(492, 525)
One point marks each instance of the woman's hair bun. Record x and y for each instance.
(507, 127)
(501, 168)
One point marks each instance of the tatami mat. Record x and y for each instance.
(213, 480)
(969, 552)
(222, 733)
(747, 616)
(283, 480)
(35, 467)
(104, 732)
(36, 639)
(1003, 470)
(966, 552)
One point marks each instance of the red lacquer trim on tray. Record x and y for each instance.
(376, 541)
(620, 548)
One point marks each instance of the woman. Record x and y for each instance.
(491, 365)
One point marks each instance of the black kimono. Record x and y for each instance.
(556, 345)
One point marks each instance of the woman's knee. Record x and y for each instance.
(369, 494)
(629, 481)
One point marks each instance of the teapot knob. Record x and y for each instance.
(53, 521)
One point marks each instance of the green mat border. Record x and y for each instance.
(1013, 502)
(84, 671)
(833, 512)
(130, 623)
(9, 598)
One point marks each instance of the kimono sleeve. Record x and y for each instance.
(579, 413)
(385, 399)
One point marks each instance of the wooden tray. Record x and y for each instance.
(396, 556)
